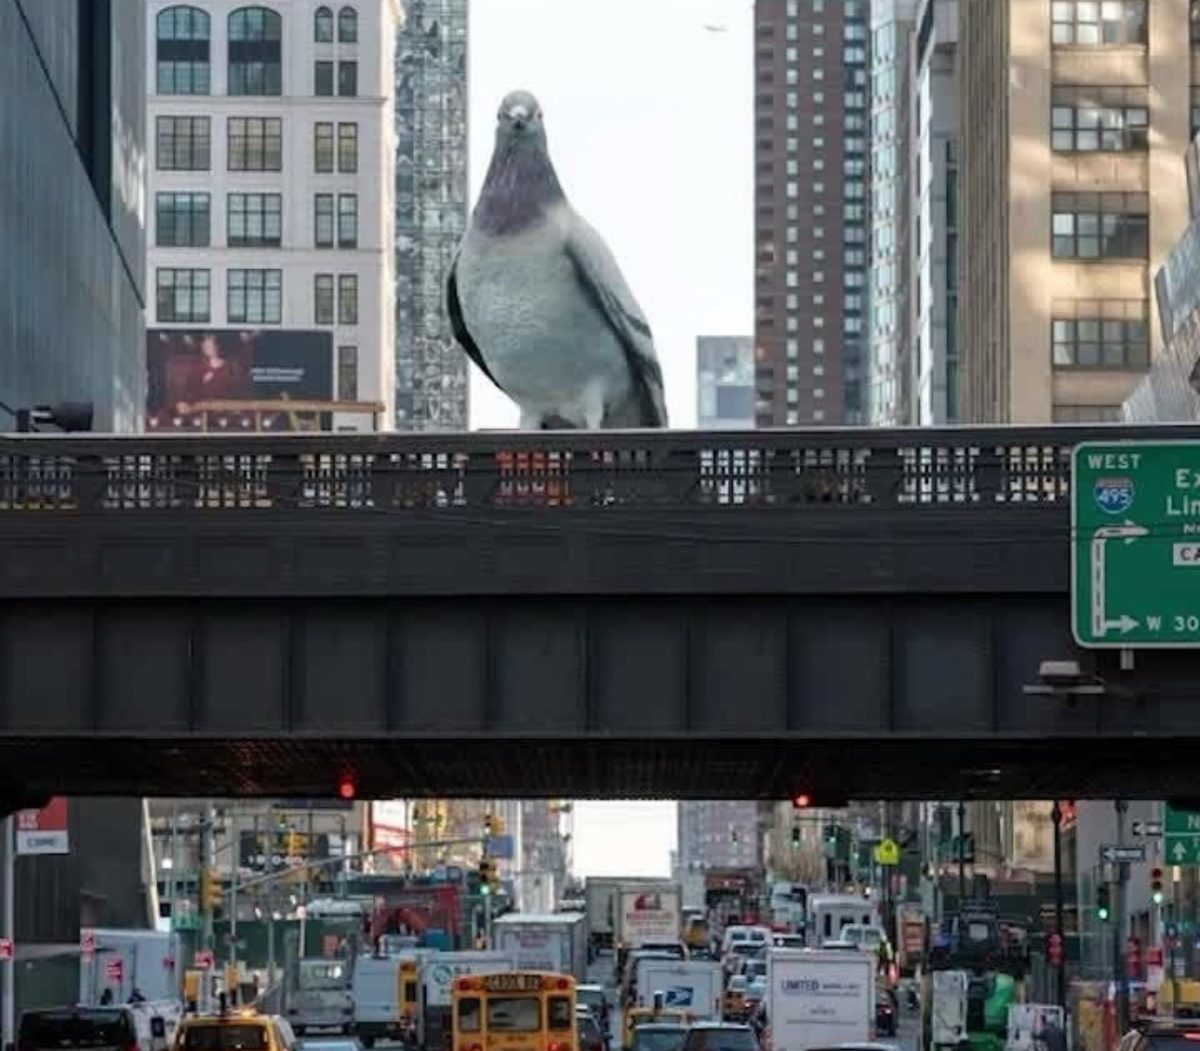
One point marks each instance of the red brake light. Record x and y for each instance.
(1191, 1036)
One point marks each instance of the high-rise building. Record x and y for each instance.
(271, 214)
(431, 212)
(72, 157)
(891, 176)
(718, 833)
(932, 310)
(1073, 117)
(724, 382)
(810, 213)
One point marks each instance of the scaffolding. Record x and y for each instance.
(431, 211)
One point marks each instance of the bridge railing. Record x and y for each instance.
(657, 471)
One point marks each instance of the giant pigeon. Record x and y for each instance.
(538, 302)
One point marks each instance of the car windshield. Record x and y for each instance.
(658, 1039)
(721, 1040)
(225, 1038)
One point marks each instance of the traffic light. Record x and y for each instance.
(1156, 885)
(347, 789)
(489, 825)
(210, 893)
(1102, 902)
(733, 835)
(487, 872)
(795, 835)
(802, 801)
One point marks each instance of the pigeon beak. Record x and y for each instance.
(519, 115)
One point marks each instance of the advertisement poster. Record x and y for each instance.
(43, 831)
(196, 377)
(649, 916)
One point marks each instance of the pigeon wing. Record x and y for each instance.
(604, 283)
(458, 324)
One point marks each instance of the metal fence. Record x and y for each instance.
(657, 471)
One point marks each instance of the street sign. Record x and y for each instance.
(888, 852)
(87, 943)
(1181, 836)
(1135, 544)
(114, 969)
(1123, 853)
(1147, 828)
(6, 950)
(44, 831)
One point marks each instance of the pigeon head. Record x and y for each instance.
(519, 122)
(521, 183)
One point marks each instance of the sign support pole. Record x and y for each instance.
(8, 1024)
(1119, 927)
(1056, 816)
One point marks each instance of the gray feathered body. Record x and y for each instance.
(548, 346)
(538, 302)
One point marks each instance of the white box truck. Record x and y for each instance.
(819, 998)
(685, 985)
(556, 942)
(438, 971)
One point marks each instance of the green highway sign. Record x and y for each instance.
(1135, 544)
(1181, 837)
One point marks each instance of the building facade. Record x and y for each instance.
(431, 212)
(810, 215)
(1074, 116)
(932, 309)
(72, 170)
(718, 833)
(724, 382)
(271, 211)
(891, 175)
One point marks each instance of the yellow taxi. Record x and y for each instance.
(242, 1030)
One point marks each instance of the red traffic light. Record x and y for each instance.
(1054, 950)
(802, 801)
(346, 787)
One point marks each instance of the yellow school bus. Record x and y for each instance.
(514, 1011)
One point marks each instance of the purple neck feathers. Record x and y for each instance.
(519, 188)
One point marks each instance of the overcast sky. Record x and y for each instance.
(649, 115)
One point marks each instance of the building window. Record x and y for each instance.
(1100, 334)
(181, 51)
(255, 144)
(255, 297)
(347, 373)
(347, 220)
(183, 296)
(323, 146)
(323, 78)
(255, 52)
(254, 220)
(347, 299)
(1094, 22)
(347, 78)
(181, 220)
(1100, 226)
(1087, 413)
(323, 299)
(1110, 119)
(323, 26)
(348, 147)
(323, 220)
(182, 144)
(348, 25)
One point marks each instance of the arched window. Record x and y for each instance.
(348, 25)
(255, 52)
(323, 26)
(182, 51)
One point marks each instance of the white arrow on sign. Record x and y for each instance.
(1128, 532)
(1179, 851)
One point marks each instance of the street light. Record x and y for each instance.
(67, 416)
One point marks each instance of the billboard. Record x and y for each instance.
(196, 379)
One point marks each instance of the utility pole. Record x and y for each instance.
(962, 854)
(1121, 806)
(207, 852)
(8, 1024)
(1056, 815)
(235, 864)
